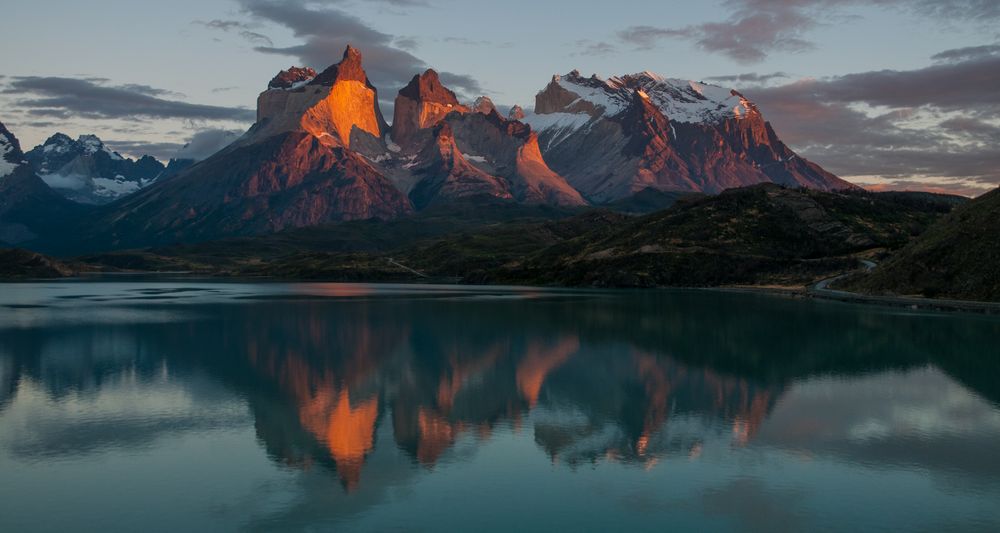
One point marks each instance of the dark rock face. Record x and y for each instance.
(87, 171)
(509, 149)
(613, 138)
(446, 175)
(11, 155)
(484, 105)
(286, 79)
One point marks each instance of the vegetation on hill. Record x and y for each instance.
(754, 235)
(958, 257)
(16, 263)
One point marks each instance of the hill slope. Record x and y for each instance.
(753, 235)
(959, 257)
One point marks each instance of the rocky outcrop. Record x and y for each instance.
(420, 106)
(337, 104)
(445, 174)
(509, 149)
(292, 78)
(484, 105)
(516, 113)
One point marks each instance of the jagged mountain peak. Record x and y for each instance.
(427, 87)
(293, 78)
(516, 113)
(11, 156)
(484, 105)
(419, 106)
(333, 106)
(349, 68)
(680, 100)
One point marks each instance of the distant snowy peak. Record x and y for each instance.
(10, 152)
(60, 148)
(679, 100)
(86, 170)
(91, 144)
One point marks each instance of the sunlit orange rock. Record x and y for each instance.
(329, 107)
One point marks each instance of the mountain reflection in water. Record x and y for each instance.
(378, 386)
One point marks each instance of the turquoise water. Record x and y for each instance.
(188, 406)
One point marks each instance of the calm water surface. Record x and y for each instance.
(215, 406)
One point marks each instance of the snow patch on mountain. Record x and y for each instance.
(679, 100)
(7, 152)
(92, 144)
(563, 123)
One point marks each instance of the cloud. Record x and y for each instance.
(936, 124)
(968, 53)
(325, 31)
(73, 97)
(206, 143)
(198, 146)
(587, 47)
(749, 77)
(161, 150)
(757, 28)
(749, 36)
(243, 29)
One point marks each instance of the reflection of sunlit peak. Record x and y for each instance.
(539, 362)
(337, 290)
(642, 444)
(436, 435)
(350, 435)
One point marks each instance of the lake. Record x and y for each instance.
(205, 406)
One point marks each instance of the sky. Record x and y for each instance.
(897, 94)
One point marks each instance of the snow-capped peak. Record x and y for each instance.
(92, 144)
(679, 100)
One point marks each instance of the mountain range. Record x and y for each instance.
(321, 151)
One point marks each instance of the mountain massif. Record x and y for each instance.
(321, 151)
(613, 138)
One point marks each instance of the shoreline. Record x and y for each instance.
(819, 290)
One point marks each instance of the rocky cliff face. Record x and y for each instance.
(504, 150)
(612, 138)
(445, 174)
(333, 106)
(419, 107)
(509, 149)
